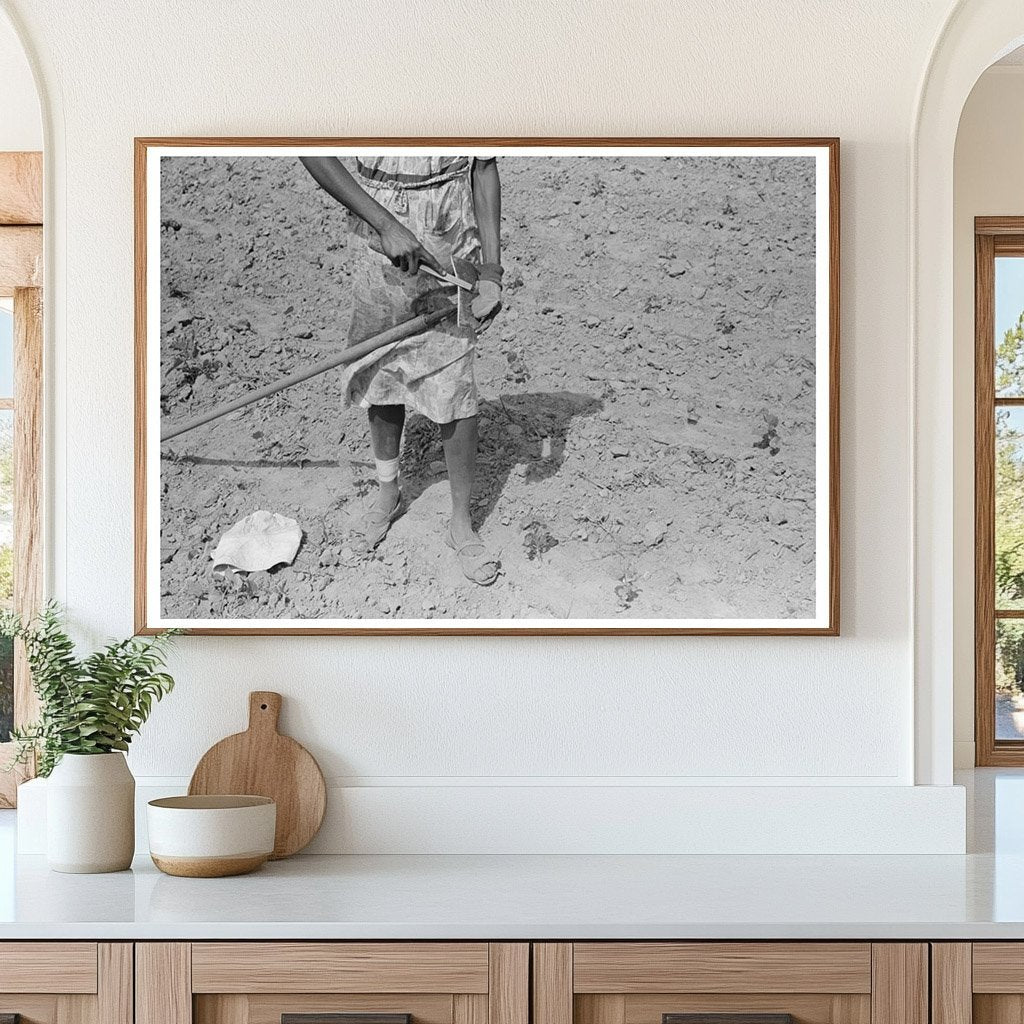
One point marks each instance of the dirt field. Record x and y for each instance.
(647, 397)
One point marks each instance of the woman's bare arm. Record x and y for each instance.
(487, 206)
(400, 245)
(334, 178)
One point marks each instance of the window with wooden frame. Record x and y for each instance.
(999, 490)
(21, 364)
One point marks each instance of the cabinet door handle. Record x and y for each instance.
(727, 1018)
(337, 1018)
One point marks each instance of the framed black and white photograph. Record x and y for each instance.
(487, 385)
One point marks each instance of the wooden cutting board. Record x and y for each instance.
(262, 762)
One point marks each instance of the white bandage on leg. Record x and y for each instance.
(387, 470)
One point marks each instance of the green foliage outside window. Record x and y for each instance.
(1009, 511)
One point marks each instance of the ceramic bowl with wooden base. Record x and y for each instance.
(211, 836)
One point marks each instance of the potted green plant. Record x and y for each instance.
(90, 708)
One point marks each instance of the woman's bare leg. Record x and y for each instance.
(460, 443)
(386, 423)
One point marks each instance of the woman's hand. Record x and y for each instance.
(403, 248)
(486, 303)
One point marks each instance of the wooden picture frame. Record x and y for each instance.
(825, 619)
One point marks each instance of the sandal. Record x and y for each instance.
(477, 563)
(376, 523)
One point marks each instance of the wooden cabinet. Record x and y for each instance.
(311, 982)
(752, 982)
(979, 982)
(66, 982)
(494, 983)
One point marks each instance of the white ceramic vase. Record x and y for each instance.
(90, 814)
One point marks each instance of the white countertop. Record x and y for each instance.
(977, 896)
(496, 897)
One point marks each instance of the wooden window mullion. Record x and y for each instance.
(984, 500)
(28, 483)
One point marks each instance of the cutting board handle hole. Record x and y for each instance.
(263, 707)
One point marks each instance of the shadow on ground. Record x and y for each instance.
(527, 430)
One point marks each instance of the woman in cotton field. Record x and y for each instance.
(420, 210)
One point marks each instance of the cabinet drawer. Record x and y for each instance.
(340, 967)
(66, 967)
(730, 983)
(66, 982)
(998, 968)
(633, 967)
(332, 983)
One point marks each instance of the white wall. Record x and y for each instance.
(987, 181)
(456, 712)
(20, 124)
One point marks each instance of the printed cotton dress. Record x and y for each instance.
(431, 372)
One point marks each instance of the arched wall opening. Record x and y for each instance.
(976, 34)
(989, 155)
(21, 122)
